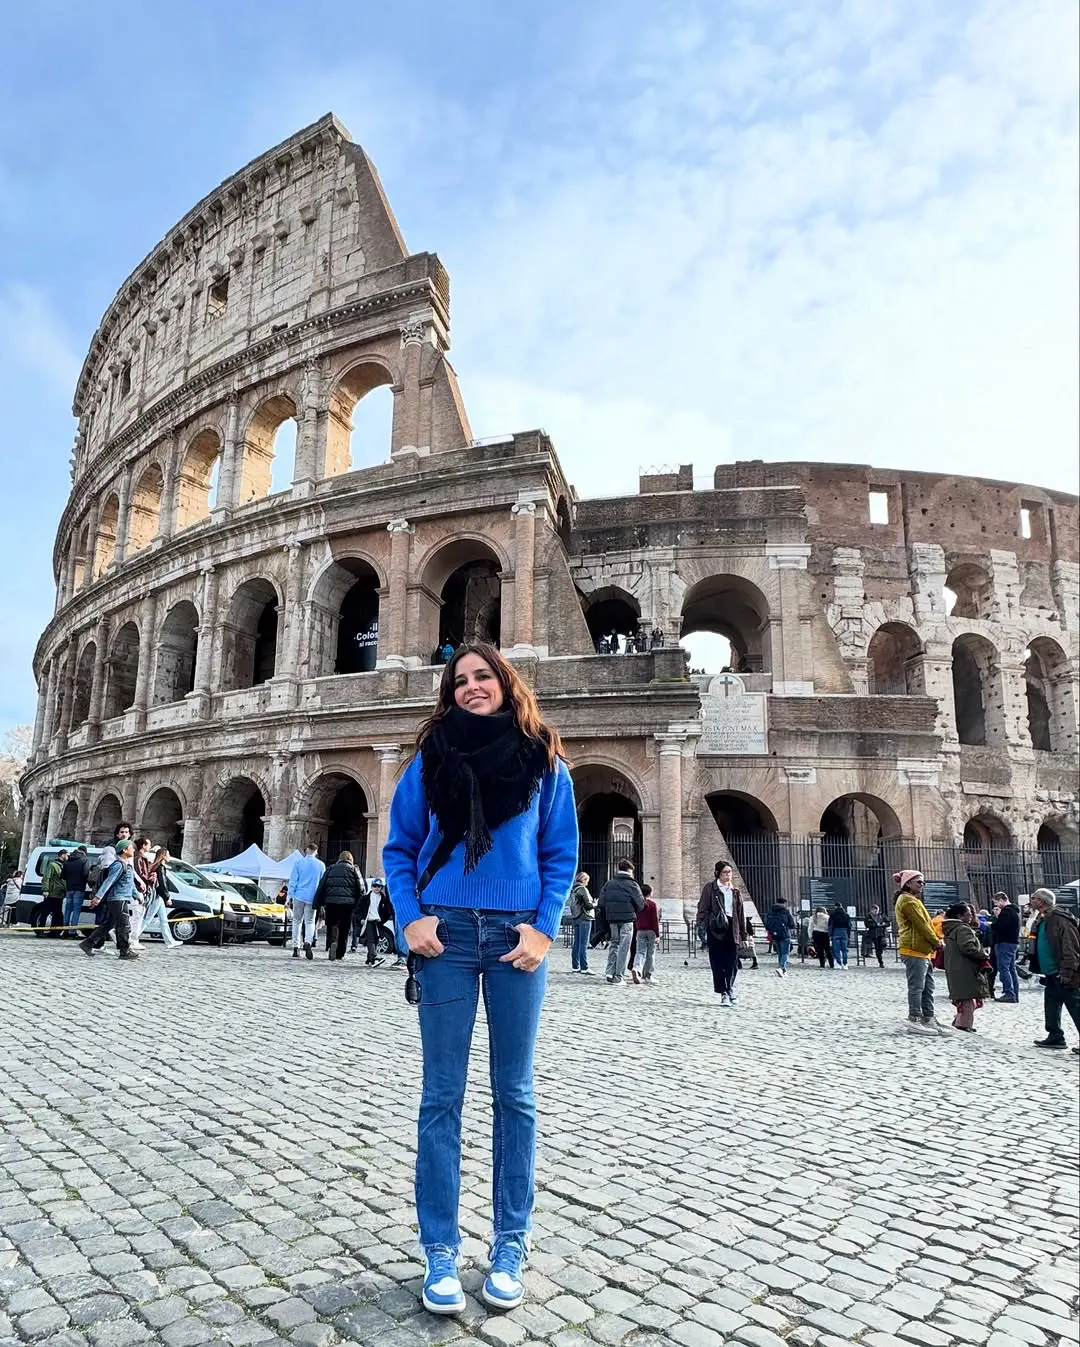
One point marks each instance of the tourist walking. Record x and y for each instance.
(121, 833)
(156, 916)
(820, 937)
(50, 911)
(877, 929)
(781, 929)
(115, 890)
(965, 962)
(582, 907)
(339, 890)
(145, 879)
(917, 942)
(76, 874)
(647, 934)
(1005, 944)
(620, 901)
(840, 934)
(1057, 959)
(720, 909)
(480, 859)
(304, 882)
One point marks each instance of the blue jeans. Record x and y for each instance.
(450, 987)
(579, 953)
(401, 948)
(840, 947)
(783, 949)
(73, 906)
(1005, 959)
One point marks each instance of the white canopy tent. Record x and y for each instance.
(255, 864)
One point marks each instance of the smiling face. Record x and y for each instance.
(476, 686)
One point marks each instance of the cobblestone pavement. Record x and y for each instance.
(216, 1145)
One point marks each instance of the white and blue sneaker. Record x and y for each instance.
(503, 1288)
(442, 1292)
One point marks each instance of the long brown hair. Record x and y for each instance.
(517, 697)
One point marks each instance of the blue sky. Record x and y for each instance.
(677, 232)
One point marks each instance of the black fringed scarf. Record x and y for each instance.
(478, 772)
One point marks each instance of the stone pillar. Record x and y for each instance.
(392, 604)
(524, 513)
(66, 588)
(67, 694)
(204, 655)
(97, 687)
(123, 519)
(39, 716)
(294, 611)
(49, 719)
(167, 514)
(144, 679)
(27, 832)
(93, 521)
(52, 816)
(310, 455)
(231, 470)
(83, 795)
(785, 628)
(407, 433)
(191, 849)
(670, 746)
(389, 756)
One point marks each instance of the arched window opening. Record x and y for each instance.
(123, 671)
(990, 859)
(107, 814)
(360, 426)
(249, 636)
(269, 451)
(976, 692)
(358, 621)
(1055, 860)
(178, 647)
(612, 616)
(708, 653)
(338, 814)
(748, 831)
(81, 546)
(145, 509)
(197, 481)
(1050, 711)
(732, 608)
(858, 851)
(240, 819)
(471, 600)
(162, 820)
(84, 685)
(69, 822)
(968, 591)
(105, 548)
(609, 823)
(894, 657)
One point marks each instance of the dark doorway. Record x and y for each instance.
(471, 601)
(749, 832)
(358, 628)
(347, 824)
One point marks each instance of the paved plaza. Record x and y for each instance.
(216, 1146)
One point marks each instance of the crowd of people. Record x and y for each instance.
(638, 642)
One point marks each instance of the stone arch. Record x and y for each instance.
(735, 609)
(80, 544)
(177, 653)
(197, 480)
(609, 809)
(1051, 715)
(969, 590)
(748, 838)
(105, 545)
(360, 383)
(249, 635)
(69, 822)
(610, 610)
(259, 448)
(104, 817)
(336, 811)
(860, 849)
(990, 857)
(343, 604)
(162, 819)
(895, 661)
(466, 574)
(145, 515)
(241, 806)
(123, 671)
(1058, 848)
(977, 696)
(84, 684)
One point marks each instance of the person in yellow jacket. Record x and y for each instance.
(917, 941)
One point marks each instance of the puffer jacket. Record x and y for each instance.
(340, 886)
(621, 899)
(964, 957)
(916, 936)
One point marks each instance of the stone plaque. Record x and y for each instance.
(732, 719)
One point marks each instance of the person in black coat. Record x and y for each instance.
(877, 928)
(1004, 946)
(340, 889)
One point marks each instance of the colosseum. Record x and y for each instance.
(250, 603)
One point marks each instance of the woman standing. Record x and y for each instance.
(965, 961)
(819, 935)
(480, 858)
(720, 909)
(877, 928)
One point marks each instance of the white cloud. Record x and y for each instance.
(33, 341)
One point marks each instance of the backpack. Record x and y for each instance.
(776, 923)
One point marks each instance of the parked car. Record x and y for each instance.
(272, 922)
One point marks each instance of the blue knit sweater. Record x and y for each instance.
(530, 867)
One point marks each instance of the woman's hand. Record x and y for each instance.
(422, 937)
(531, 949)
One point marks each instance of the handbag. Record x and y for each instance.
(718, 924)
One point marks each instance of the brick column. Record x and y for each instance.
(230, 472)
(204, 654)
(670, 748)
(67, 694)
(49, 719)
(52, 816)
(93, 520)
(389, 756)
(406, 439)
(39, 716)
(123, 519)
(392, 603)
(97, 686)
(524, 560)
(167, 513)
(144, 679)
(294, 611)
